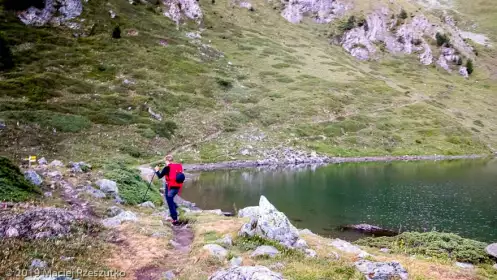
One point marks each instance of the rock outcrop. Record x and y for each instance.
(38, 223)
(246, 273)
(117, 220)
(107, 186)
(216, 251)
(179, 10)
(272, 224)
(492, 250)
(323, 11)
(55, 12)
(33, 177)
(381, 270)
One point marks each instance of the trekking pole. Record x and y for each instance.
(149, 184)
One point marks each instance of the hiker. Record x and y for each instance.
(173, 182)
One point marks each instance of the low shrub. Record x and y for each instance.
(469, 66)
(432, 244)
(13, 186)
(50, 120)
(131, 186)
(165, 129)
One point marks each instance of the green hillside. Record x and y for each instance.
(251, 73)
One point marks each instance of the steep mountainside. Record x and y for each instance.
(218, 80)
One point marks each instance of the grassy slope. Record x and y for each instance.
(285, 81)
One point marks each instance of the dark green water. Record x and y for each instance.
(451, 196)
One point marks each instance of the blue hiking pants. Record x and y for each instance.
(170, 203)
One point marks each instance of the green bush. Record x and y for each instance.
(442, 39)
(13, 186)
(20, 5)
(432, 244)
(165, 129)
(6, 58)
(36, 88)
(131, 186)
(49, 120)
(469, 66)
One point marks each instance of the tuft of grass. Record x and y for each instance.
(13, 186)
(432, 244)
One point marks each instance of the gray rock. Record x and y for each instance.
(112, 14)
(322, 10)
(236, 261)
(79, 167)
(11, 232)
(147, 204)
(272, 224)
(37, 263)
(169, 275)
(265, 250)
(216, 251)
(385, 250)
(246, 273)
(113, 211)
(64, 258)
(300, 244)
(463, 71)
(2, 124)
(277, 266)
(55, 12)
(159, 234)
(250, 212)
(33, 177)
(94, 192)
(47, 194)
(310, 253)
(55, 175)
(226, 241)
(465, 265)
(42, 161)
(246, 5)
(56, 163)
(381, 270)
(107, 186)
(348, 247)
(121, 217)
(492, 250)
(118, 200)
(175, 244)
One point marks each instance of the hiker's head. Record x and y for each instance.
(168, 158)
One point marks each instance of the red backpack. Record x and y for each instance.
(175, 178)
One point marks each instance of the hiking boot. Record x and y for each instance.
(176, 223)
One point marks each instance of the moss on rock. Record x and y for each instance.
(13, 186)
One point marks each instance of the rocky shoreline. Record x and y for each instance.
(320, 161)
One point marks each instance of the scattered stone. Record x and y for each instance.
(226, 241)
(324, 11)
(112, 14)
(381, 270)
(94, 192)
(163, 43)
(37, 263)
(236, 261)
(181, 9)
(42, 161)
(175, 244)
(310, 253)
(156, 116)
(265, 250)
(79, 167)
(348, 247)
(133, 33)
(376, 230)
(2, 124)
(492, 250)
(55, 175)
(159, 234)
(245, 152)
(465, 265)
(64, 258)
(113, 211)
(246, 5)
(121, 217)
(216, 251)
(118, 200)
(169, 275)
(463, 71)
(33, 177)
(246, 273)
(56, 163)
(385, 250)
(277, 266)
(193, 35)
(107, 186)
(47, 194)
(272, 224)
(147, 204)
(300, 244)
(39, 223)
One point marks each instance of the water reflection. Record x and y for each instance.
(455, 196)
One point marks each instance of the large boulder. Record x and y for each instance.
(381, 270)
(272, 224)
(492, 250)
(107, 186)
(246, 273)
(216, 251)
(33, 177)
(250, 212)
(94, 192)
